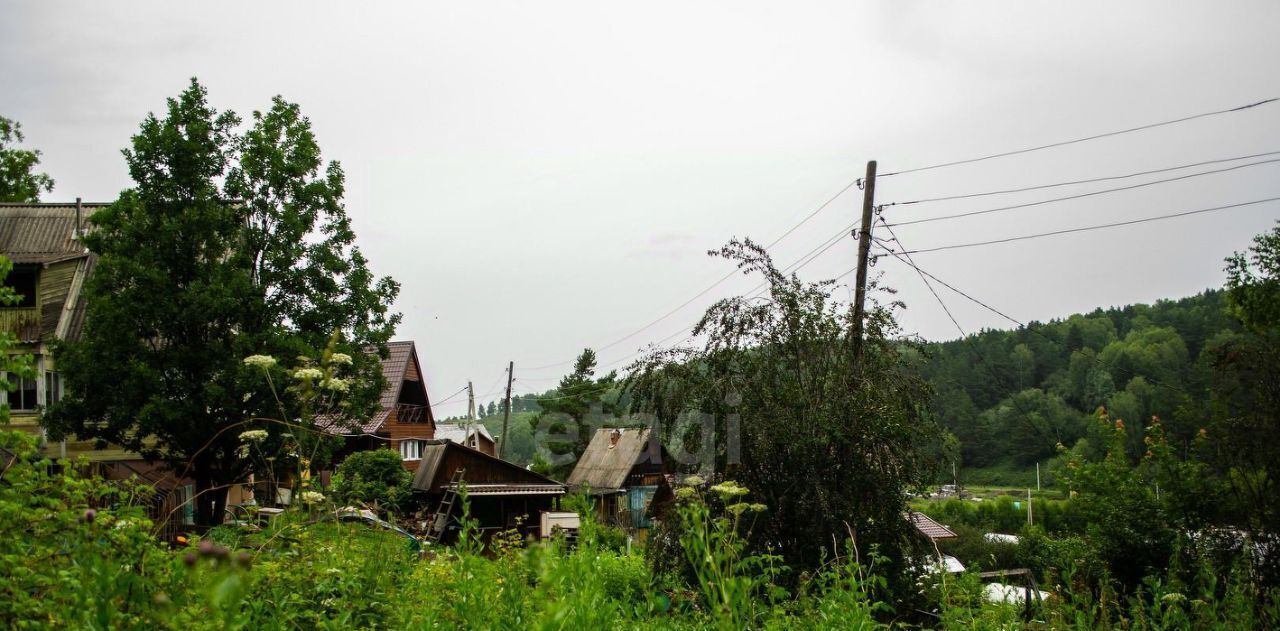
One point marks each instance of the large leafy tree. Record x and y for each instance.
(1246, 387)
(229, 245)
(779, 399)
(19, 181)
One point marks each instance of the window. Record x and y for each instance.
(52, 387)
(411, 450)
(23, 282)
(23, 397)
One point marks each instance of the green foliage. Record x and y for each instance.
(564, 424)
(778, 400)
(71, 568)
(18, 180)
(189, 282)
(375, 478)
(11, 364)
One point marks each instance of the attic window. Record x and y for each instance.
(23, 282)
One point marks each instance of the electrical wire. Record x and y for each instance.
(1094, 227)
(1079, 140)
(718, 282)
(904, 258)
(1096, 179)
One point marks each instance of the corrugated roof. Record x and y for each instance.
(605, 464)
(496, 471)
(458, 433)
(930, 528)
(41, 233)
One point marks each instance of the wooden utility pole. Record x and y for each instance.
(471, 413)
(506, 412)
(864, 251)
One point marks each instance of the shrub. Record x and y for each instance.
(375, 478)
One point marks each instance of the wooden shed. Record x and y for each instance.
(502, 495)
(623, 468)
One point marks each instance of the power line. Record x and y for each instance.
(718, 282)
(1081, 195)
(1094, 227)
(904, 258)
(1108, 178)
(446, 399)
(1084, 139)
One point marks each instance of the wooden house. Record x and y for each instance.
(623, 469)
(502, 495)
(50, 267)
(404, 421)
(473, 435)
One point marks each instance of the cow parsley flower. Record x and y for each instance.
(694, 480)
(308, 373)
(311, 497)
(729, 489)
(260, 361)
(254, 435)
(336, 384)
(340, 358)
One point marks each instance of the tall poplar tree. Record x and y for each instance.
(230, 244)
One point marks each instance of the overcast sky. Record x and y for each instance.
(545, 176)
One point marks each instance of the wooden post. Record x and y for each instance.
(864, 250)
(506, 412)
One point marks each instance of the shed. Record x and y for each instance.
(502, 495)
(474, 435)
(929, 528)
(623, 468)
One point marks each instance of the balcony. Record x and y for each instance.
(407, 413)
(23, 322)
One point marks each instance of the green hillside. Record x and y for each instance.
(1010, 397)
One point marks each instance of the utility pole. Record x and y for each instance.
(506, 412)
(864, 250)
(1037, 477)
(471, 413)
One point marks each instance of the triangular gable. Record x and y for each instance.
(401, 357)
(605, 465)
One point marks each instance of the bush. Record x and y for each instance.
(374, 478)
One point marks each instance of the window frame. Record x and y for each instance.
(17, 393)
(411, 446)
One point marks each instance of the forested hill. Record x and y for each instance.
(1011, 396)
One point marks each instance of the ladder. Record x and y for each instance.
(440, 522)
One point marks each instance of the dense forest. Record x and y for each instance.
(1011, 398)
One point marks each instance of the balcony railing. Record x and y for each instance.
(22, 322)
(408, 413)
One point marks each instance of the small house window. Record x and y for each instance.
(52, 387)
(411, 450)
(23, 283)
(23, 396)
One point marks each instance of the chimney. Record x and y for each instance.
(79, 211)
(614, 437)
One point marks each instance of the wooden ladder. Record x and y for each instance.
(440, 522)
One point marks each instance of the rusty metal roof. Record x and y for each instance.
(606, 463)
(42, 233)
(926, 526)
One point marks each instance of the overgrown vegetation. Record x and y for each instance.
(80, 553)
